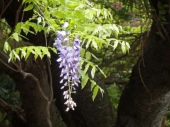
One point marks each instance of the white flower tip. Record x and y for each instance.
(67, 109)
(65, 25)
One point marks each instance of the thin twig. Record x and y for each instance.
(49, 71)
(5, 8)
(23, 14)
(8, 65)
(45, 39)
(50, 78)
(17, 14)
(2, 7)
(5, 105)
(141, 75)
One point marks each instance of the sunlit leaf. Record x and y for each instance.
(115, 44)
(7, 47)
(93, 72)
(16, 36)
(84, 81)
(29, 7)
(95, 91)
(123, 47)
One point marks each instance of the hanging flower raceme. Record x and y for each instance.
(69, 59)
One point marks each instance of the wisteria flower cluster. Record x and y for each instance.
(69, 59)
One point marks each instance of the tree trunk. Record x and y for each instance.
(146, 97)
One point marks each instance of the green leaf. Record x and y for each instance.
(115, 30)
(39, 20)
(88, 55)
(23, 52)
(29, 7)
(11, 56)
(127, 46)
(53, 49)
(88, 42)
(45, 52)
(16, 36)
(29, 50)
(86, 68)
(17, 50)
(84, 81)
(7, 47)
(82, 52)
(26, 29)
(123, 47)
(101, 90)
(93, 83)
(94, 44)
(93, 71)
(95, 91)
(15, 55)
(37, 52)
(115, 44)
(101, 71)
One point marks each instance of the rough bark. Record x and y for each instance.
(146, 97)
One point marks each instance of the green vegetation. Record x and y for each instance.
(112, 33)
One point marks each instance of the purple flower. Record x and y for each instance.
(69, 59)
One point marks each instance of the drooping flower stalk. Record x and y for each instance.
(69, 59)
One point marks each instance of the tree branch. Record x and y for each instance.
(42, 93)
(4, 105)
(5, 9)
(17, 13)
(8, 66)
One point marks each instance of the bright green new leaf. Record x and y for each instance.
(82, 52)
(16, 36)
(93, 72)
(29, 7)
(95, 91)
(39, 19)
(17, 50)
(115, 44)
(101, 71)
(88, 42)
(84, 81)
(127, 46)
(16, 55)
(29, 50)
(101, 90)
(23, 52)
(45, 51)
(93, 83)
(86, 68)
(53, 49)
(123, 47)
(88, 55)
(7, 47)
(94, 44)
